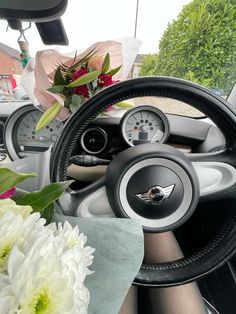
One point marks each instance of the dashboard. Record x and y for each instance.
(6, 109)
(106, 137)
(20, 138)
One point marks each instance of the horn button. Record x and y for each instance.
(153, 183)
(154, 192)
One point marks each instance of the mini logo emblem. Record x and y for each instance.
(156, 194)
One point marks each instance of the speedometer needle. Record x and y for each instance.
(40, 139)
(132, 130)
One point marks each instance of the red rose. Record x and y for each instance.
(81, 90)
(105, 80)
(78, 73)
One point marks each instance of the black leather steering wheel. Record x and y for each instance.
(193, 171)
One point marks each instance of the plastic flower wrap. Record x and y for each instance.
(30, 242)
(42, 267)
(62, 84)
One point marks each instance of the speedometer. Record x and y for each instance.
(20, 137)
(144, 124)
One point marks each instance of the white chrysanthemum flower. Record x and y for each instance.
(39, 284)
(15, 230)
(71, 247)
(5, 295)
(43, 269)
(70, 236)
(8, 205)
(78, 260)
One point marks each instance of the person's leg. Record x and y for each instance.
(182, 299)
(185, 299)
(130, 303)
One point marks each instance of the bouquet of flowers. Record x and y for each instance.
(79, 82)
(59, 84)
(42, 267)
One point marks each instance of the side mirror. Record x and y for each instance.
(28, 10)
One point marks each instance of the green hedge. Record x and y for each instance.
(200, 45)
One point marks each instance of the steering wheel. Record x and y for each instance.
(172, 182)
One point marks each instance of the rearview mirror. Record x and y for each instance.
(30, 10)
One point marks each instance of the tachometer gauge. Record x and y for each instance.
(144, 124)
(20, 138)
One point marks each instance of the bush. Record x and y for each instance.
(200, 45)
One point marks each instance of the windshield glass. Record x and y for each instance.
(194, 40)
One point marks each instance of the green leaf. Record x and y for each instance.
(67, 101)
(106, 63)
(56, 89)
(125, 104)
(58, 77)
(77, 100)
(85, 79)
(48, 213)
(114, 71)
(67, 70)
(9, 178)
(74, 108)
(48, 116)
(19, 194)
(41, 199)
(82, 61)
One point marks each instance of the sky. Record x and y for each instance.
(89, 21)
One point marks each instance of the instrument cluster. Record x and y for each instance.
(139, 125)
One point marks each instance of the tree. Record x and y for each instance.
(148, 66)
(200, 45)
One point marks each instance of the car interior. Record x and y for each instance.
(168, 162)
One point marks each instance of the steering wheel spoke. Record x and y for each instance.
(215, 178)
(89, 202)
(95, 204)
(216, 174)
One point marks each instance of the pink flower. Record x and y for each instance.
(81, 90)
(78, 73)
(105, 80)
(9, 193)
(96, 63)
(109, 108)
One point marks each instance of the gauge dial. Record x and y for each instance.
(144, 124)
(20, 137)
(27, 138)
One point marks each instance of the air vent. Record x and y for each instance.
(94, 140)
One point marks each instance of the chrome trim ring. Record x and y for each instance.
(180, 211)
(103, 133)
(156, 111)
(9, 126)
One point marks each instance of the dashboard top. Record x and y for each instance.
(107, 136)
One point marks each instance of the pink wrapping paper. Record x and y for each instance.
(38, 75)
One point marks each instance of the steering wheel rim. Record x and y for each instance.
(223, 245)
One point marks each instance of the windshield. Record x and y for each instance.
(194, 40)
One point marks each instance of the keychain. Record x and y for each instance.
(24, 47)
